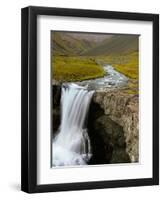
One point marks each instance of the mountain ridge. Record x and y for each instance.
(68, 45)
(121, 44)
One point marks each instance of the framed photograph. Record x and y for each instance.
(90, 99)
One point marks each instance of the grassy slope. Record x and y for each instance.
(65, 44)
(117, 45)
(75, 68)
(67, 64)
(128, 64)
(131, 70)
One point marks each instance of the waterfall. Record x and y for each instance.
(71, 145)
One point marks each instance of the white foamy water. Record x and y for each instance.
(72, 146)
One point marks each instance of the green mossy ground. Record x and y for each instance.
(78, 68)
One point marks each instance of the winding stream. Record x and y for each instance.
(112, 79)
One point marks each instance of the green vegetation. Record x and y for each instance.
(75, 68)
(130, 68)
(78, 68)
(127, 64)
(65, 44)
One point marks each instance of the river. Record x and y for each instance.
(112, 79)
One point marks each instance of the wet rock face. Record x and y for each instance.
(107, 138)
(56, 96)
(112, 125)
(122, 109)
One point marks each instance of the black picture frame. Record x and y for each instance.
(29, 99)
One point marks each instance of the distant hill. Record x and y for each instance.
(117, 44)
(71, 44)
(66, 44)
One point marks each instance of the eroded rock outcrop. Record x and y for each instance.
(121, 108)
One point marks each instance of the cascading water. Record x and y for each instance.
(71, 145)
